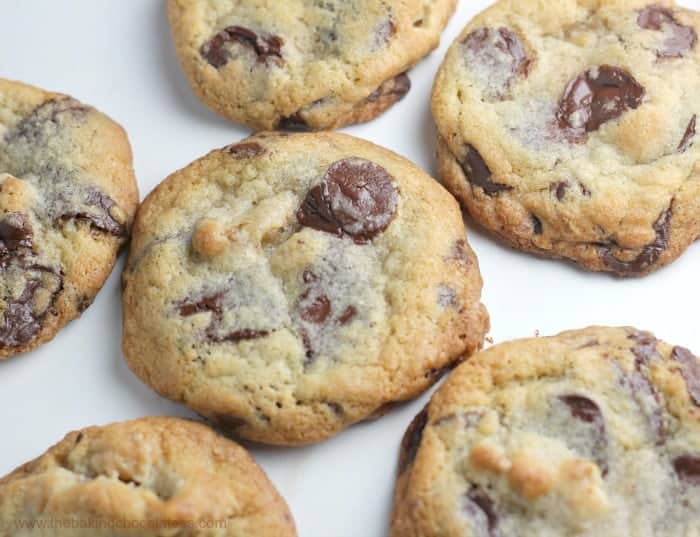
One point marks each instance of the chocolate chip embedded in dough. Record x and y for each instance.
(593, 98)
(357, 198)
(267, 47)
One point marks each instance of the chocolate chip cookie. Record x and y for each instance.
(570, 131)
(303, 64)
(67, 197)
(148, 477)
(592, 432)
(288, 286)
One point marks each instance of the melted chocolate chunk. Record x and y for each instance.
(15, 233)
(101, 218)
(587, 411)
(479, 174)
(595, 97)
(32, 128)
(649, 254)
(213, 304)
(688, 137)
(481, 511)
(499, 50)
(210, 303)
(687, 468)
(246, 150)
(582, 408)
(396, 88)
(641, 387)
(411, 440)
(21, 322)
(266, 47)
(245, 334)
(681, 39)
(690, 370)
(347, 316)
(357, 198)
(293, 123)
(314, 307)
(644, 348)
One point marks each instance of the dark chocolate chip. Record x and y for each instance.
(481, 511)
(649, 254)
(213, 304)
(293, 123)
(101, 217)
(690, 369)
(347, 316)
(15, 233)
(479, 174)
(687, 468)
(245, 334)
(560, 189)
(499, 49)
(536, 225)
(595, 97)
(266, 47)
(246, 150)
(688, 137)
(395, 88)
(644, 348)
(357, 198)
(337, 409)
(314, 307)
(411, 440)
(384, 32)
(681, 38)
(641, 387)
(210, 303)
(587, 411)
(229, 423)
(582, 408)
(56, 111)
(21, 322)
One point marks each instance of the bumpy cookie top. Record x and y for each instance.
(167, 475)
(575, 127)
(67, 197)
(290, 285)
(592, 432)
(303, 63)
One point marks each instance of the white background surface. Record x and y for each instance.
(117, 55)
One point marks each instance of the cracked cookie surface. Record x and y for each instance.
(67, 198)
(303, 64)
(169, 476)
(591, 432)
(570, 130)
(289, 286)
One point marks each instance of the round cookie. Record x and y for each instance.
(303, 64)
(147, 477)
(592, 432)
(290, 285)
(67, 198)
(569, 129)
